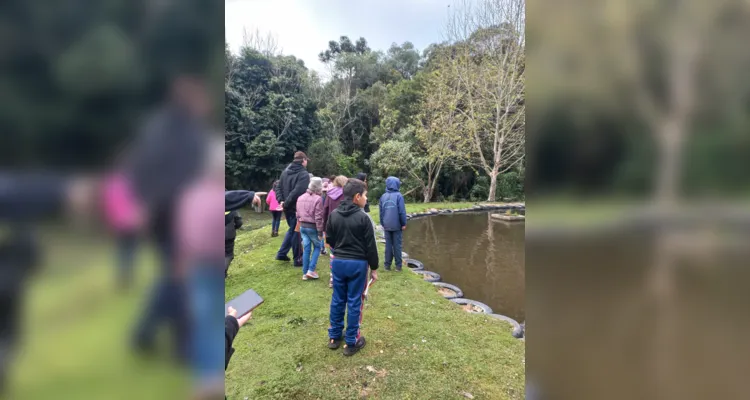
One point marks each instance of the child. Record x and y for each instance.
(276, 210)
(125, 217)
(350, 233)
(310, 217)
(233, 201)
(333, 199)
(393, 220)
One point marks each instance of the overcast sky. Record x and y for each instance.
(304, 27)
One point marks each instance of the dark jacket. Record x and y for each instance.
(166, 157)
(350, 233)
(231, 327)
(392, 207)
(232, 222)
(292, 184)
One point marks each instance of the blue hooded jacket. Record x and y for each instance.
(392, 206)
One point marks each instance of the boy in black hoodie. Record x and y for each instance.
(351, 234)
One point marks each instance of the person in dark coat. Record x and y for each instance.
(292, 184)
(363, 177)
(166, 157)
(393, 220)
(233, 201)
(26, 198)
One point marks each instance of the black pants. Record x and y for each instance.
(228, 254)
(10, 309)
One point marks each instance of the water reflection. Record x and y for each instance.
(484, 257)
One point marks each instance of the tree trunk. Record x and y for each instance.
(671, 137)
(427, 192)
(493, 187)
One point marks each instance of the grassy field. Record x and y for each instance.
(420, 346)
(77, 329)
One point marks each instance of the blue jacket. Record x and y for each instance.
(392, 207)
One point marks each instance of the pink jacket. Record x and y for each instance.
(199, 227)
(273, 204)
(310, 210)
(122, 211)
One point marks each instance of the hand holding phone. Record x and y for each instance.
(241, 320)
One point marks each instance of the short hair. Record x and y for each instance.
(340, 181)
(353, 187)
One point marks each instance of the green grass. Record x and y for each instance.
(420, 346)
(77, 329)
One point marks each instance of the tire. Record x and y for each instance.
(485, 308)
(454, 288)
(428, 276)
(517, 328)
(414, 265)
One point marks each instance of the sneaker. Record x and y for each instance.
(312, 275)
(352, 350)
(334, 344)
(387, 267)
(398, 269)
(323, 251)
(283, 258)
(304, 277)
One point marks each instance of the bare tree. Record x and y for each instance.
(267, 44)
(488, 61)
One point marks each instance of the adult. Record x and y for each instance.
(166, 157)
(292, 184)
(363, 177)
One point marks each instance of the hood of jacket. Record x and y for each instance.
(295, 168)
(335, 192)
(392, 184)
(347, 208)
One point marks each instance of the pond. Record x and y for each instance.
(482, 256)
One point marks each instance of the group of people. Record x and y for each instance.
(333, 211)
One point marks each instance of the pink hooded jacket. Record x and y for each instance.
(310, 210)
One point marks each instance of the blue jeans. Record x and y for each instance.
(292, 240)
(393, 242)
(276, 223)
(311, 252)
(206, 288)
(349, 281)
(166, 305)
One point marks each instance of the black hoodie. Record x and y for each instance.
(292, 184)
(350, 233)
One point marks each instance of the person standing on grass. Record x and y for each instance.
(393, 220)
(292, 184)
(310, 216)
(273, 205)
(350, 233)
(233, 201)
(333, 199)
(326, 187)
(363, 177)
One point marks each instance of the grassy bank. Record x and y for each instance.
(420, 346)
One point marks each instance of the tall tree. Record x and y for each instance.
(487, 60)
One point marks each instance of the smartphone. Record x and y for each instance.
(244, 303)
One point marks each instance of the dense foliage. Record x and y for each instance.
(382, 112)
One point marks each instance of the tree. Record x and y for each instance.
(487, 63)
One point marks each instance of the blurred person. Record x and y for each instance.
(167, 155)
(25, 199)
(334, 198)
(310, 217)
(199, 264)
(326, 187)
(233, 201)
(275, 208)
(351, 234)
(393, 220)
(292, 184)
(125, 218)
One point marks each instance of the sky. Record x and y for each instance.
(303, 28)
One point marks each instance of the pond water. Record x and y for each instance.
(483, 257)
(600, 332)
